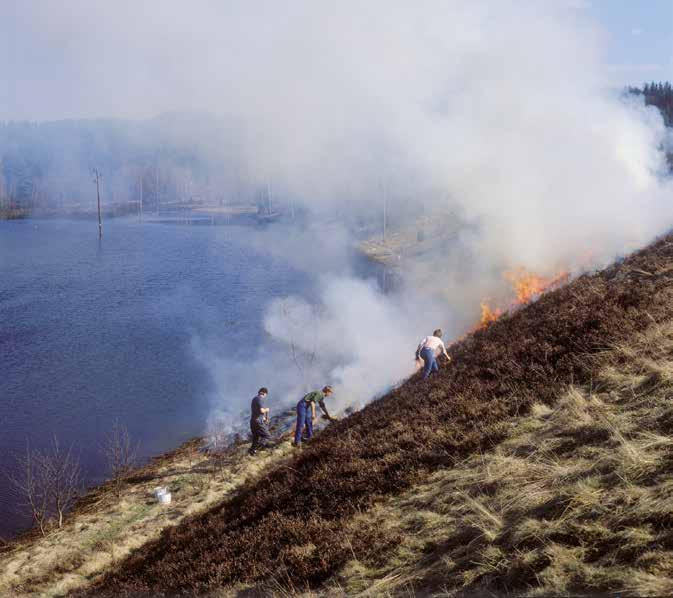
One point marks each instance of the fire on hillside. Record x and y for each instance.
(527, 287)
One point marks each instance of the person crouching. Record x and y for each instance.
(306, 412)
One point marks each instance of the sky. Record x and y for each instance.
(639, 38)
(77, 59)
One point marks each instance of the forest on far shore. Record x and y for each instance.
(171, 159)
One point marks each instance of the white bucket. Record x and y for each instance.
(162, 494)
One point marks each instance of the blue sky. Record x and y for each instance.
(639, 38)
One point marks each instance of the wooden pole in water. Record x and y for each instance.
(140, 213)
(100, 221)
(385, 209)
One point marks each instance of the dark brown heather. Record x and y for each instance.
(291, 525)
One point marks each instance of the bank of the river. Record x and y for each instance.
(104, 528)
(13, 214)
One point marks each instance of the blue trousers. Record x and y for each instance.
(304, 418)
(429, 361)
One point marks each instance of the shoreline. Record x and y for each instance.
(103, 528)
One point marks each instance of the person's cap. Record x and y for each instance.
(327, 389)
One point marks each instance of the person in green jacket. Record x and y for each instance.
(306, 412)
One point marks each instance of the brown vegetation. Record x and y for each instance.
(576, 500)
(294, 527)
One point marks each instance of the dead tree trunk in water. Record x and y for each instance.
(385, 210)
(100, 222)
(141, 200)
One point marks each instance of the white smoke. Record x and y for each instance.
(499, 111)
(357, 339)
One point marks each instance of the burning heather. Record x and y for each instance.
(488, 314)
(527, 287)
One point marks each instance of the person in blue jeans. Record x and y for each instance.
(428, 349)
(306, 412)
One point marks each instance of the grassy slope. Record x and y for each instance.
(577, 499)
(300, 526)
(104, 528)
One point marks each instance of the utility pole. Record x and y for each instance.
(98, 183)
(385, 209)
(140, 206)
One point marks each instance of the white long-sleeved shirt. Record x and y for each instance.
(435, 343)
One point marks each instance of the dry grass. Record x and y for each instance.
(105, 530)
(578, 499)
(486, 397)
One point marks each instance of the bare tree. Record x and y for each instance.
(220, 440)
(64, 478)
(120, 454)
(31, 485)
(46, 482)
(303, 359)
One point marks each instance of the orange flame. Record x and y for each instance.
(488, 314)
(527, 287)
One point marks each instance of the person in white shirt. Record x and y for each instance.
(428, 350)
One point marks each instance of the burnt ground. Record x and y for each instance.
(291, 526)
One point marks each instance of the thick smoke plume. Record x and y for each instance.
(500, 113)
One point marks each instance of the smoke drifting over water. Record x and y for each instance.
(500, 112)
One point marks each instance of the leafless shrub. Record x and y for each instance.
(304, 359)
(220, 440)
(120, 454)
(47, 483)
(64, 478)
(30, 483)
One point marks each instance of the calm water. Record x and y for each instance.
(94, 331)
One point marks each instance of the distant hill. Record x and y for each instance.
(537, 462)
(175, 157)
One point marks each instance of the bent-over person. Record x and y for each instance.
(306, 412)
(428, 349)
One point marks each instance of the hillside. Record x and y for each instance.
(105, 526)
(537, 371)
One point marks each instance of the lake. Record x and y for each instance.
(96, 330)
